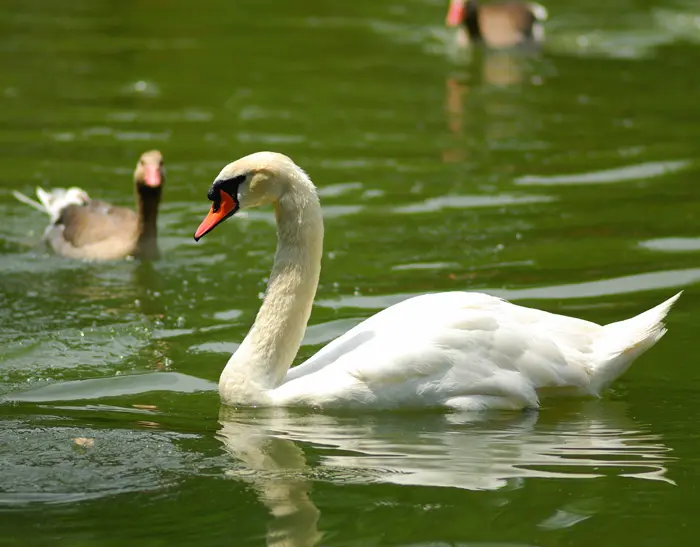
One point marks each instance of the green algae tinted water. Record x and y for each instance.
(565, 180)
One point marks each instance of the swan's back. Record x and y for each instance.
(468, 350)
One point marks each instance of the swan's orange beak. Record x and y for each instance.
(455, 13)
(220, 211)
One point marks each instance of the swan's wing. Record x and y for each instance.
(410, 312)
(435, 347)
(345, 343)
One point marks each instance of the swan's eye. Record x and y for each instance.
(230, 186)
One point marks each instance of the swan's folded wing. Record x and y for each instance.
(425, 352)
(411, 313)
(345, 343)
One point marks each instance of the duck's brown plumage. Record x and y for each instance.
(500, 24)
(97, 230)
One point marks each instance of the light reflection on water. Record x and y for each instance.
(590, 289)
(566, 176)
(473, 452)
(470, 451)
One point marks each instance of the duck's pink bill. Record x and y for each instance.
(227, 206)
(151, 175)
(455, 13)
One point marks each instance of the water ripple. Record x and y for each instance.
(626, 173)
(604, 287)
(469, 202)
(672, 244)
(479, 453)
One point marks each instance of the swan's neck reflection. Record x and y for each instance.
(277, 470)
(473, 452)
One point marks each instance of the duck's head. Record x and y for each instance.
(252, 181)
(149, 174)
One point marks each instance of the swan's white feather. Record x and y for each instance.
(467, 350)
(453, 350)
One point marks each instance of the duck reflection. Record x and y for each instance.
(486, 102)
(499, 69)
(468, 451)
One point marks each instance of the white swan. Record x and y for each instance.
(460, 350)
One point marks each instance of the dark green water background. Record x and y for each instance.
(566, 181)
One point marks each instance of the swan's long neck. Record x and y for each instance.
(267, 352)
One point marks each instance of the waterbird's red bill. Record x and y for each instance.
(151, 175)
(226, 207)
(455, 13)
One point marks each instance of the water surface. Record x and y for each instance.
(565, 180)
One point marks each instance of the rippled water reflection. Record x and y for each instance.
(564, 178)
(475, 452)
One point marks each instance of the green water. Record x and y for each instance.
(566, 181)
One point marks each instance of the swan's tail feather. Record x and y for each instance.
(621, 343)
(53, 202)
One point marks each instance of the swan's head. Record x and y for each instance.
(149, 172)
(251, 181)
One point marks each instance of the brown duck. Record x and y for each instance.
(94, 230)
(499, 25)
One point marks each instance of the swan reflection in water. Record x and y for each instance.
(467, 451)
